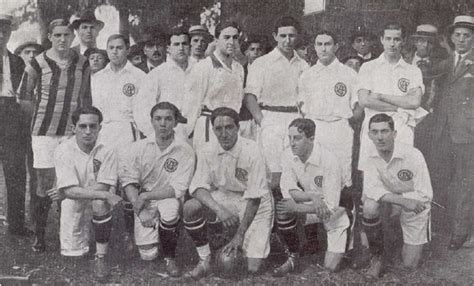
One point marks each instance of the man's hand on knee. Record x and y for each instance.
(228, 219)
(113, 200)
(286, 207)
(321, 209)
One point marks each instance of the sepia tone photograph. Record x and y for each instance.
(236, 142)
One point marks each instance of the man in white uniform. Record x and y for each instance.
(311, 185)
(217, 81)
(230, 186)
(165, 82)
(85, 172)
(396, 174)
(389, 84)
(271, 93)
(156, 173)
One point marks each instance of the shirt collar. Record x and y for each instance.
(333, 64)
(314, 158)
(397, 153)
(234, 151)
(152, 141)
(366, 57)
(218, 63)
(97, 146)
(278, 56)
(174, 65)
(126, 68)
(416, 59)
(382, 60)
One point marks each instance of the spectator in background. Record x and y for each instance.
(199, 40)
(153, 43)
(28, 49)
(353, 61)
(136, 55)
(87, 28)
(362, 44)
(97, 58)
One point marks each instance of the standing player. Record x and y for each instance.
(396, 173)
(311, 185)
(86, 171)
(271, 93)
(54, 85)
(214, 82)
(155, 174)
(390, 85)
(230, 185)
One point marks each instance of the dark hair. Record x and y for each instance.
(222, 25)
(85, 110)
(305, 125)
(58, 22)
(287, 21)
(326, 32)
(164, 105)
(252, 39)
(352, 57)
(119, 36)
(177, 31)
(393, 26)
(225, 111)
(90, 51)
(382, 117)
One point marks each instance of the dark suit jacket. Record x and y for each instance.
(17, 67)
(143, 66)
(456, 108)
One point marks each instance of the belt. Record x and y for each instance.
(207, 113)
(276, 108)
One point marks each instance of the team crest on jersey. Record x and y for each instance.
(340, 89)
(241, 174)
(171, 165)
(405, 175)
(403, 84)
(129, 89)
(318, 180)
(96, 165)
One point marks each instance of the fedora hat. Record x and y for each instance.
(463, 21)
(425, 31)
(200, 30)
(28, 43)
(89, 17)
(6, 19)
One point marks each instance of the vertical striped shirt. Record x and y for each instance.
(55, 91)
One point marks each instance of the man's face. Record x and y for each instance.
(286, 39)
(87, 130)
(423, 47)
(117, 51)
(361, 45)
(354, 64)
(155, 52)
(226, 131)
(179, 48)
(61, 38)
(325, 48)
(228, 41)
(87, 33)
(96, 62)
(462, 39)
(136, 60)
(382, 135)
(254, 51)
(392, 42)
(299, 143)
(163, 122)
(5, 32)
(28, 54)
(198, 46)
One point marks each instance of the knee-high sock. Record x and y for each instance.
(41, 210)
(288, 231)
(169, 237)
(198, 231)
(102, 227)
(129, 218)
(374, 231)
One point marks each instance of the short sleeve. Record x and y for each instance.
(257, 186)
(183, 175)
(202, 176)
(255, 78)
(108, 173)
(288, 180)
(66, 173)
(417, 79)
(364, 79)
(373, 186)
(332, 181)
(129, 164)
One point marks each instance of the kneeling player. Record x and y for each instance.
(230, 183)
(155, 175)
(311, 185)
(85, 172)
(396, 174)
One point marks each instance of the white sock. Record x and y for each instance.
(101, 248)
(204, 251)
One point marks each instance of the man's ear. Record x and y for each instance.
(311, 138)
(73, 128)
(337, 46)
(274, 36)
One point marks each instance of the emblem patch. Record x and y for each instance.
(129, 89)
(405, 175)
(340, 89)
(171, 165)
(403, 84)
(96, 165)
(318, 180)
(241, 174)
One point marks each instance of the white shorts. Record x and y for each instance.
(248, 129)
(416, 227)
(118, 135)
(337, 228)
(75, 226)
(167, 210)
(43, 150)
(273, 137)
(257, 238)
(203, 123)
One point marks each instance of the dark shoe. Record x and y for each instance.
(456, 242)
(288, 267)
(202, 269)
(101, 270)
(361, 258)
(375, 267)
(39, 245)
(23, 231)
(171, 267)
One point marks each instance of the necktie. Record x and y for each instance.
(458, 63)
(1, 75)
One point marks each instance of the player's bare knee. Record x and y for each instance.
(192, 210)
(371, 209)
(148, 252)
(254, 264)
(100, 207)
(170, 213)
